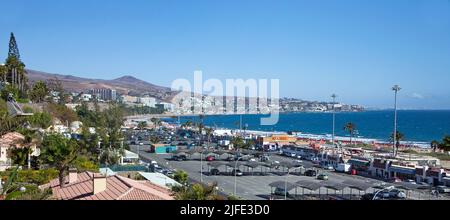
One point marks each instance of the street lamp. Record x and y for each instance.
(201, 165)
(388, 188)
(235, 173)
(139, 148)
(396, 88)
(286, 179)
(334, 117)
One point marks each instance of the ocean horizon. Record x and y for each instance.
(421, 126)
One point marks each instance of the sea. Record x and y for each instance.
(417, 126)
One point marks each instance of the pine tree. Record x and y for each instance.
(15, 69)
(13, 49)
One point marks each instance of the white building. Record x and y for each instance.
(147, 101)
(11, 140)
(166, 106)
(86, 97)
(127, 99)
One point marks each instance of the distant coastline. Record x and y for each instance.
(418, 126)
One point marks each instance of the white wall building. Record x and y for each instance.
(147, 101)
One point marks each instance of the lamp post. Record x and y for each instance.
(139, 148)
(201, 165)
(334, 117)
(396, 88)
(285, 181)
(235, 173)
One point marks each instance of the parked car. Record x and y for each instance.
(237, 172)
(210, 158)
(280, 192)
(158, 169)
(367, 196)
(310, 173)
(167, 172)
(264, 158)
(292, 155)
(395, 180)
(410, 181)
(315, 160)
(322, 177)
(214, 171)
(395, 193)
(327, 167)
(298, 161)
(443, 189)
(179, 157)
(230, 159)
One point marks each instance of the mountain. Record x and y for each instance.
(124, 85)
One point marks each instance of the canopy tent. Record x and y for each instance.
(217, 164)
(361, 186)
(282, 184)
(335, 186)
(307, 184)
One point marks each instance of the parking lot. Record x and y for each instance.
(254, 186)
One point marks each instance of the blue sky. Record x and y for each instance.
(357, 49)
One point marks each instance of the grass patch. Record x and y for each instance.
(440, 156)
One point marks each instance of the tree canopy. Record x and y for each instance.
(39, 92)
(59, 152)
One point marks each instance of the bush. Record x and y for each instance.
(27, 109)
(32, 193)
(38, 177)
(83, 163)
(41, 120)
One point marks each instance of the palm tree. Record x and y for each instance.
(154, 139)
(445, 144)
(17, 72)
(209, 132)
(187, 124)
(156, 122)
(238, 142)
(197, 192)
(350, 127)
(398, 137)
(141, 125)
(434, 145)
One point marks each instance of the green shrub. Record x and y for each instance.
(32, 192)
(82, 163)
(38, 177)
(27, 109)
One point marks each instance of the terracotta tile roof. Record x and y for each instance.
(117, 188)
(11, 138)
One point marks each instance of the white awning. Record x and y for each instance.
(159, 179)
(130, 155)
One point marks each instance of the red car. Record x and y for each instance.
(210, 158)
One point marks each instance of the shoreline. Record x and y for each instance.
(327, 137)
(285, 129)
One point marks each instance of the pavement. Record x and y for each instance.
(257, 187)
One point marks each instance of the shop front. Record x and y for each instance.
(403, 172)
